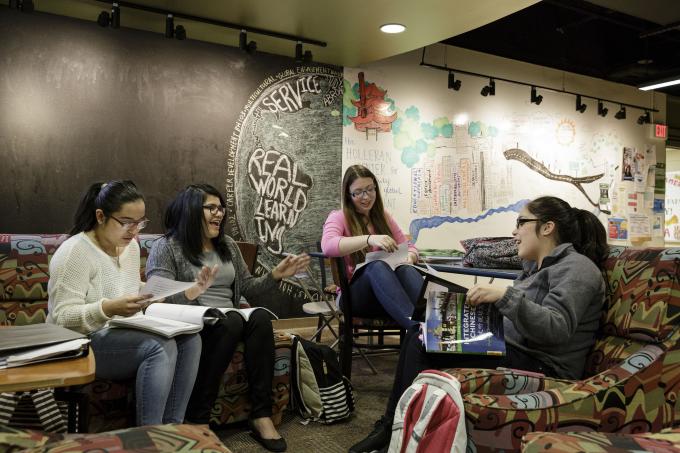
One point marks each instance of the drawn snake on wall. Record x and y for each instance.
(522, 156)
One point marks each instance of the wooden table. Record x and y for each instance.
(59, 373)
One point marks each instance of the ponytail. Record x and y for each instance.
(578, 226)
(591, 237)
(109, 197)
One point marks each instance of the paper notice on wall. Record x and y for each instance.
(632, 203)
(627, 164)
(649, 198)
(650, 155)
(639, 227)
(657, 226)
(660, 178)
(618, 228)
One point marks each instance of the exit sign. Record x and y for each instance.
(660, 131)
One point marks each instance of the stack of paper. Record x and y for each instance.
(35, 343)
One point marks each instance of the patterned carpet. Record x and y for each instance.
(371, 393)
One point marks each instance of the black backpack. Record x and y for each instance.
(319, 391)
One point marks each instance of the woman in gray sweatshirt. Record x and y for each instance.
(551, 312)
(196, 247)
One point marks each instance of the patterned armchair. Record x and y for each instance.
(24, 273)
(633, 371)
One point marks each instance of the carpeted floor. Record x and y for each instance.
(371, 393)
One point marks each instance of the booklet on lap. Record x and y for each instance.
(452, 326)
(170, 320)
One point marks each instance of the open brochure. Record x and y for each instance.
(393, 259)
(453, 326)
(170, 320)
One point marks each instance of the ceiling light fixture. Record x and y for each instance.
(621, 114)
(660, 84)
(169, 26)
(580, 107)
(392, 28)
(300, 56)
(535, 97)
(489, 89)
(645, 118)
(601, 109)
(453, 83)
(244, 45)
(115, 15)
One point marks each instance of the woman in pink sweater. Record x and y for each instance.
(363, 226)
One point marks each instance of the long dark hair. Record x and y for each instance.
(357, 226)
(578, 226)
(184, 222)
(107, 196)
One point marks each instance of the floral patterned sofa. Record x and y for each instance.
(24, 273)
(667, 441)
(632, 380)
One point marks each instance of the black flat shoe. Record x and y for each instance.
(377, 440)
(276, 445)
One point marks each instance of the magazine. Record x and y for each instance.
(393, 259)
(170, 320)
(453, 326)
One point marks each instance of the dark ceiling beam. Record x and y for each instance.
(621, 23)
(660, 30)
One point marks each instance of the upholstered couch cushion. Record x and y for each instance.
(149, 439)
(666, 441)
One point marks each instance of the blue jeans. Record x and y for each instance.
(378, 291)
(165, 369)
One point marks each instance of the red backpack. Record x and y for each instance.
(430, 416)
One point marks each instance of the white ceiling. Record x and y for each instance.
(350, 27)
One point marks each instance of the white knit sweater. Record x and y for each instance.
(82, 276)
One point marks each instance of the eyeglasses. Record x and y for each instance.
(132, 225)
(370, 190)
(521, 222)
(215, 208)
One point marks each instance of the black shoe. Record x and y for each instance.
(270, 444)
(378, 440)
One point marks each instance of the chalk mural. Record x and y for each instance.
(284, 147)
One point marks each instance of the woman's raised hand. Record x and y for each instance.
(383, 242)
(125, 306)
(290, 265)
(206, 277)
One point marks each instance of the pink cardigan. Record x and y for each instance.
(336, 228)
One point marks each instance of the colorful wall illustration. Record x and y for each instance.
(455, 164)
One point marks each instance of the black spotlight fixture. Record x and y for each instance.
(536, 98)
(25, 6)
(645, 118)
(621, 114)
(601, 109)
(115, 15)
(580, 107)
(104, 19)
(490, 89)
(180, 33)
(453, 83)
(298, 52)
(307, 57)
(244, 45)
(169, 26)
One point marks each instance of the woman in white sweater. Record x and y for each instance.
(94, 275)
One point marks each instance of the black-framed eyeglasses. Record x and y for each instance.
(215, 208)
(131, 225)
(521, 221)
(370, 190)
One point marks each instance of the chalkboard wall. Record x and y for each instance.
(79, 103)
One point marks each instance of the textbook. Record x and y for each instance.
(170, 320)
(452, 326)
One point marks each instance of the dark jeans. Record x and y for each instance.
(413, 359)
(219, 344)
(378, 291)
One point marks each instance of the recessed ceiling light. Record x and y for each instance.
(392, 28)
